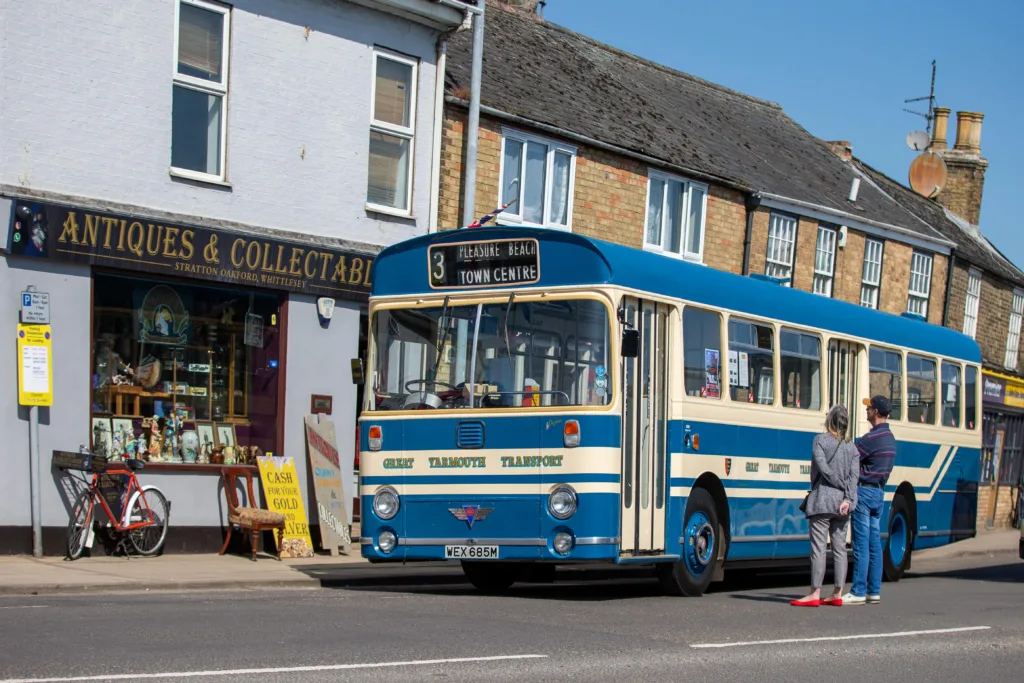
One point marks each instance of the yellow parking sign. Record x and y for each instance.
(35, 365)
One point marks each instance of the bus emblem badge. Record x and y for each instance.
(470, 513)
(728, 466)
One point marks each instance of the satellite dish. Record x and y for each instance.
(918, 141)
(928, 175)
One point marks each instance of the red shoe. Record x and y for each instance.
(837, 602)
(805, 603)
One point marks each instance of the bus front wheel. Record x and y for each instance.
(896, 558)
(692, 574)
(491, 577)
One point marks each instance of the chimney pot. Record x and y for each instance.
(941, 128)
(968, 131)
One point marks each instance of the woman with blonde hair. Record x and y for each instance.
(835, 470)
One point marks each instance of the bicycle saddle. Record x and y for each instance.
(134, 464)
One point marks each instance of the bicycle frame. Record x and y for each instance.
(133, 485)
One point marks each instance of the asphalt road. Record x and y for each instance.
(955, 620)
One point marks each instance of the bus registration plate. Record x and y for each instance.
(471, 552)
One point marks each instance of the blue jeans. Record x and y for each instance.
(867, 542)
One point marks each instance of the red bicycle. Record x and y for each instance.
(137, 514)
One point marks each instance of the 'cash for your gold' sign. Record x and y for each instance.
(70, 234)
(281, 488)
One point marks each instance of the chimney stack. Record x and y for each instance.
(965, 181)
(941, 129)
(841, 148)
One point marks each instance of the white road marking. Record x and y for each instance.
(861, 636)
(273, 670)
(24, 607)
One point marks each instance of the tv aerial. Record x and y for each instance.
(930, 115)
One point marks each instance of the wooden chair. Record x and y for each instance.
(249, 518)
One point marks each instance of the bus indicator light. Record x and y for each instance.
(571, 434)
(376, 438)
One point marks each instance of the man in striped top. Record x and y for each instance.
(877, 455)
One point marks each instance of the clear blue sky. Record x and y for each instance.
(843, 69)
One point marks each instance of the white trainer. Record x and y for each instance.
(851, 599)
(874, 599)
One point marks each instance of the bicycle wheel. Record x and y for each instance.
(79, 525)
(150, 504)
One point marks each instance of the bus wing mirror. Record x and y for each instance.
(630, 343)
(357, 371)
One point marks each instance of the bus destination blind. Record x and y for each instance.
(487, 263)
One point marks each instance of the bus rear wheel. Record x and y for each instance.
(692, 574)
(899, 545)
(491, 577)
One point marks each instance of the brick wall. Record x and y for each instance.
(965, 183)
(994, 318)
(958, 297)
(1004, 506)
(610, 194)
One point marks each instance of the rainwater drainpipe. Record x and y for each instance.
(753, 201)
(949, 287)
(473, 129)
(435, 155)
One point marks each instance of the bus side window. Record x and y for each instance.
(950, 395)
(702, 351)
(971, 398)
(886, 378)
(921, 403)
(801, 370)
(751, 362)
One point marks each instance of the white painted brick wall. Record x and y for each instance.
(86, 110)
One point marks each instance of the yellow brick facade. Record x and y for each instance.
(610, 203)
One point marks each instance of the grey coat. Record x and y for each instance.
(835, 481)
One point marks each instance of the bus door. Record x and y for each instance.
(842, 380)
(644, 426)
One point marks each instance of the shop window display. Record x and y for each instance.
(183, 373)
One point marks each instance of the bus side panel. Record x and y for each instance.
(947, 507)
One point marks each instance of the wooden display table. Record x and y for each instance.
(118, 392)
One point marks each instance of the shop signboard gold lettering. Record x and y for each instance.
(133, 243)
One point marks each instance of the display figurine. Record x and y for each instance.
(229, 455)
(141, 451)
(99, 444)
(154, 441)
(205, 451)
(130, 447)
(115, 450)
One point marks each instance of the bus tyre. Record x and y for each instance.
(900, 543)
(691, 575)
(491, 577)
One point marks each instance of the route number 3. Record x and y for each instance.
(437, 272)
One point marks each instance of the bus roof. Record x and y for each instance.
(568, 259)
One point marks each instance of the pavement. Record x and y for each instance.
(21, 575)
(955, 617)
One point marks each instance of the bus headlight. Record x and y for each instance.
(386, 502)
(387, 541)
(562, 502)
(562, 543)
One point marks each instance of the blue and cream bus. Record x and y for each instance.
(538, 397)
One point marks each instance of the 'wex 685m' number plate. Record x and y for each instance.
(471, 552)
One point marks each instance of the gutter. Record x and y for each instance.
(591, 142)
(944, 245)
(752, 202)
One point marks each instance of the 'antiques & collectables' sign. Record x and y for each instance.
(63, 233)
(484, 263)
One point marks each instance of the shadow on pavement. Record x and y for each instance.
(1012, 572)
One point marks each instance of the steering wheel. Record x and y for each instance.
(421, 382)
(424, 399)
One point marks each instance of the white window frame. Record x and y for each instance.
(871, 287)
(824, 278)
(207, 87)
(688, 187)
(404, 132)
(1013, 336)
(776, 262)
(513, 215)
(920, 274)
(972, 301)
